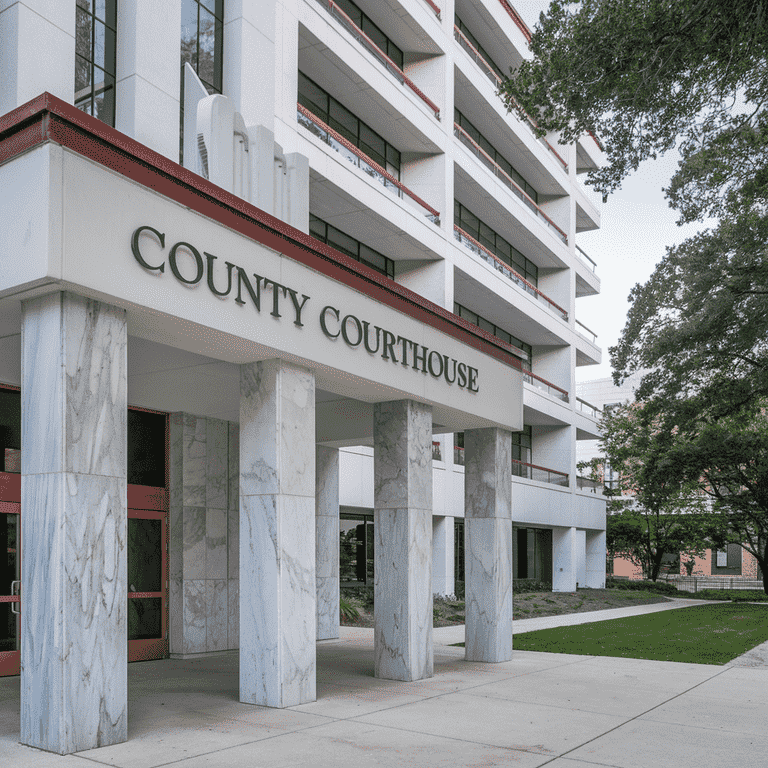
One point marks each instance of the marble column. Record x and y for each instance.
(488, 544)
(564, 559)
(277, 534)
(595, 559)
(327, 542)
(442, 556)
(402, 467)
(74, 652)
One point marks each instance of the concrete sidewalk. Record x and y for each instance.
(563, 711)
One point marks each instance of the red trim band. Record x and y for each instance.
(47, 118)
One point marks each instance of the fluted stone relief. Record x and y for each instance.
(74, 493)
(488, 544)
(402, 435)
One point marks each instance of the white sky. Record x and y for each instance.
(636, 227)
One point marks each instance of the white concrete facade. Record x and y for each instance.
(255, 338)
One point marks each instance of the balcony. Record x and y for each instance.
(583, 256)
(502, 175)
(546, 386)
(507, 271)
(586, 332)
(539, 474)
(590, 410)
(357, 157)
(496, 81)
(587, 484)
(436, 453)
(336, 12)
(435, 8)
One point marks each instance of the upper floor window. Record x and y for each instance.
(497, 157)
(496, 244)
(202, 40)
(328, 234)
(95, 58)
(479, 48)
(334, 114)
(494, 330)
(361, 21)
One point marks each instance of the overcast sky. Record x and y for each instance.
(637, 225)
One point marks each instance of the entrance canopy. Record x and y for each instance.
(210, 281)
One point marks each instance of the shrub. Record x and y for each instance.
(531, 585)
(736, 595)
(348, 610)
(646, 586)
(362, 594)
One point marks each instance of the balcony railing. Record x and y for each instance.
(586, 256)
(436, 453)
(435, 8)
(458, 455)
(505, 269)
(521, 25)
(587, 333)
(587, 484)
(499, 172)
(335, 11)
(540, 474)
(491, 74)
(588, 408)
(357, 157)
(597, 141)
(546, 386)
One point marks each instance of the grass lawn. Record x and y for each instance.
(702, 634)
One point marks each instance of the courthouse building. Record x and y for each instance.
(276, 275)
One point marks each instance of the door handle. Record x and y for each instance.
(16, 590)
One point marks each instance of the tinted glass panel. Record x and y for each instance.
(9, 571)
(144, 618)
(144, 555)
(146, 448)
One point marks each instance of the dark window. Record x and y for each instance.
(486, 145)
(147, 449)
(379, 39)
(202, 47)
(328, 234)
(95, 58)
(479, 48)
(495, 243)
(728, 562)
(10, 430)
(458, 546)
(355, 549)
(338, 117)
(522, 450)
(494, 330)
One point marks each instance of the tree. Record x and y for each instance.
(667, 514)
(647, 76)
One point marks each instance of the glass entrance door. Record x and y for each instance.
(10, 574)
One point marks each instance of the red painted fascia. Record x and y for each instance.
(48, 118)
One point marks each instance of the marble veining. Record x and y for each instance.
(216, 544)
(488, 558)
(277, 587)
(402, 434)
(487, 474)
(233, 542)
(402, 467)
(216, 471)
(327, 542)
(74, 493)
(194, 542)
(217, 618)
(233, 613)
(195, 613)
(195, 461)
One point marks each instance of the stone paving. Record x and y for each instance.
(558, 710)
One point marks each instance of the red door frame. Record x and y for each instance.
(10, 504)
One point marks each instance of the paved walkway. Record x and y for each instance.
(558, 710)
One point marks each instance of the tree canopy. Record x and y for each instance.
(648, 76)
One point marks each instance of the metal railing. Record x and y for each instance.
(357, 157)
(435, 8)
(515, 16)
(547, 386)
(458, 455)
(338, 14)
(436, 453)
(588, 408)
(588, 258)
(495, 261)
(597, 141)
(540, 474)
(491, 74)
(587, 483)
(696, 583)
(501, 174)
(588, 334)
